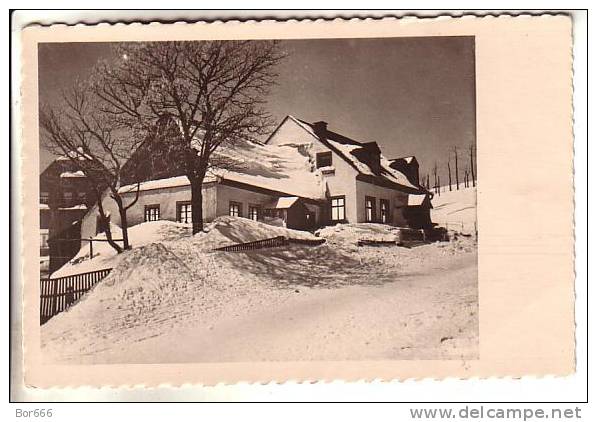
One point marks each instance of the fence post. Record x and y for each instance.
(70, 296)
(55, 297)
(90, 248)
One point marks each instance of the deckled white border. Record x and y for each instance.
(447, 381)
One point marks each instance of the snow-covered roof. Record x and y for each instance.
(387, 172)
(283, 202)
(78, 153)
(345, 147)
(416, 199)
(281, 169)
(44, 207)
(170, 182)
(78, 173)
(75, 207)
(408, 159)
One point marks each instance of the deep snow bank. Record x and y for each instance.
(230, 230)
(222, 231)
(151, 289)
(351, 233)
(145, 278)
(104, 256)
(456, 210)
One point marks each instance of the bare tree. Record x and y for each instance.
(456, 167)
(435, 185)
(98, 146)
(449, 175)
(471, 150)
(213, 90)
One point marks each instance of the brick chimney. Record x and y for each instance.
(320, 128)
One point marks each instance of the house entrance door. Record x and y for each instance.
(310, 220)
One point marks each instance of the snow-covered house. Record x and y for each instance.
(303, 176)
(64, 197)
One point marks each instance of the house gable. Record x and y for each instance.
(291, 132)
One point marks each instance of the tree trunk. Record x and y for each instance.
(108, 231)
(197, 204)
(456, 169)
(449, 176)
(472, 166)
(124, 227)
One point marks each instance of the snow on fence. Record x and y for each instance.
(308, 242)
(272, 242)
(365, 242)
(58, 294)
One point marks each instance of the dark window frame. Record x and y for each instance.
(384, 212)
(323, 159)
(239, 206)
(44, 197)
(257, 214)
(147, 213)
(188, 212)
(370, 218)
(339, 207)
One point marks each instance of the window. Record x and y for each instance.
(235, 209)
(68, 197)
(44, 197)
(254, 212)
(82, 196)
(384, 210)
(184, 212)
(152, 212)
(43, 241)
(370, 208)
(338, 208)
(323, 159)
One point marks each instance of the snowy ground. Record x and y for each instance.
(456, 210)
(173, 299)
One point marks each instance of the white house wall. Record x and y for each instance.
(396, 199)
(166, 198)
(341, 182)
(245, 197)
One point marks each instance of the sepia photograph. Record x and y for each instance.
(258, 200)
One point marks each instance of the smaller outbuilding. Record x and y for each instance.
(292, 211)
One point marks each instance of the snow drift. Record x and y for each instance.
(351, 233)
(221, 232)
(456, 210)
(226, 230)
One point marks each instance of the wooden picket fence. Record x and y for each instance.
(58, 294)
(272, 242)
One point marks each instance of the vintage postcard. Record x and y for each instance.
(314, 200)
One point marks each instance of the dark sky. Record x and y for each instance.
(414, 96)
